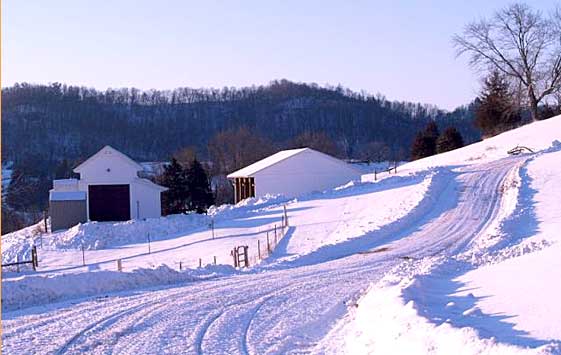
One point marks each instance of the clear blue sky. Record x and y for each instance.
(401, 49)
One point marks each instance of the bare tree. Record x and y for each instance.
(233, 149)
(318, 141)
(185, 156)
(521, 43)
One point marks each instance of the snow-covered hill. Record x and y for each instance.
(454, 253)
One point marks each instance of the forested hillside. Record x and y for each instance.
(58, 122)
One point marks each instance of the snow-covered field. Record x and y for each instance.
(456, 253)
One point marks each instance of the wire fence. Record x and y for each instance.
(264, 247)
(260, 244)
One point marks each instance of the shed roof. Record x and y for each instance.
(67, 195)
(150, 184)
(276, 158)
(111, 150)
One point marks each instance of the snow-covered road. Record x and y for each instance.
(283, 306)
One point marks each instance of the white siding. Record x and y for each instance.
(149, 204)
(303, 173)
(108, 169)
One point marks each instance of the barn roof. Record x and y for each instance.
(265, 163)
(276, 158)
(111, 150)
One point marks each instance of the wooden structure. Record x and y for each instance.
(244, 187)
(241, 256)
(519, 150)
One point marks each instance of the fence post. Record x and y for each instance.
(34, 260)
(268, 245)
(276, 242)
(258, 249)
(214, 260)
(275, 231)
(375, 173)
(119, 265)
(180, 266)
(149, 249)
(45, 222)
(395, 166)
(285, 217)
(17, 265)
(200, 262)
(83, 256)
(246, 256)
(236, 259)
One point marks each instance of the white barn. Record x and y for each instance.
(109, 189)
(291, 173)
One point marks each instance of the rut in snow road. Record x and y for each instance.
(277, 309)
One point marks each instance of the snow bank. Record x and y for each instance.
(383, 323)
(31, 290)
(521, 278)
(102, 235)
(248, 206)
(20, 243)
(98, 235)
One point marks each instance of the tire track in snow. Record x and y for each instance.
(289, 309)
(110, 318)
(237, 306)
(142, 310)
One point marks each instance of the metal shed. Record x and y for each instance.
(67, 208)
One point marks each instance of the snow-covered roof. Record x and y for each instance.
(65, 181)
(67, 195)
(276, 158)
(110, 150)
(150, 184)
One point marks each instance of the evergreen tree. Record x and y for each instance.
(431, 130)
(548, 111)
(450, 139)
(424, 144)
(200, 194)
(176, 199)
(496, 112)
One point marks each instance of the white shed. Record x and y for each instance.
(291, 173)
(111, 187)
